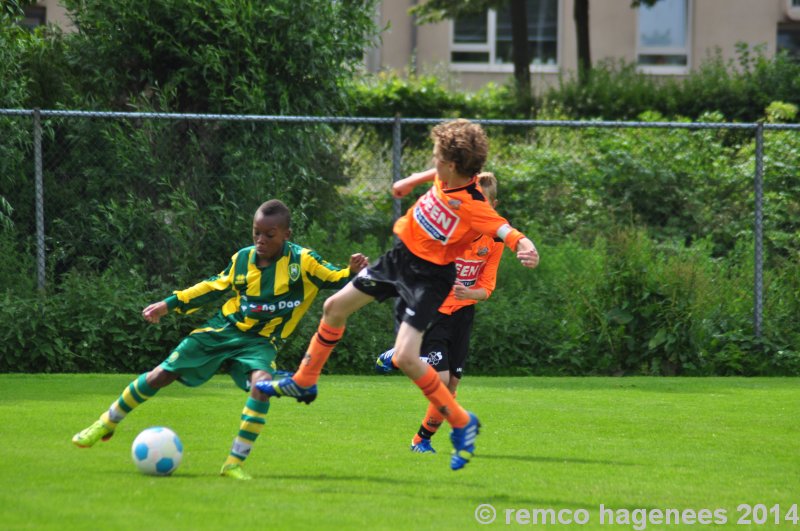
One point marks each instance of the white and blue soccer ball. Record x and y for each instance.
(157, 451)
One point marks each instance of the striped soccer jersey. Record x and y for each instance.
(477, 268)
(443, 223)
(268, 301)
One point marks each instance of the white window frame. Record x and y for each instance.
(685, 50)
(490, 47)
(793, 9)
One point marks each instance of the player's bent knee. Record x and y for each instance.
(335, 311)
(158, 378)
(405, 358)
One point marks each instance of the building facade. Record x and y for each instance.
(668, 39)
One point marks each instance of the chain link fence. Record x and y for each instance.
(173, 141)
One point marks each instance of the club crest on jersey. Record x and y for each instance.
(483, 251)
(454, 203)
(294, 272)
(435, 218)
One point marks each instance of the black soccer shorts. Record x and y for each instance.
(421, 285)
(446, 343)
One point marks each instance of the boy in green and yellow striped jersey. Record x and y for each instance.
(267, 288)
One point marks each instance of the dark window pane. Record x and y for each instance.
(469, 57)
(662, 60)
(34, 16)
(789, 40)
(470, 29)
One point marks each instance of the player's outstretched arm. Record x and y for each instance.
(404, 186)
(154, 312)
(527, 253)
(358, 262)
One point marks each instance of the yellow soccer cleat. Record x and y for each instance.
(235, 471)
(88, 437)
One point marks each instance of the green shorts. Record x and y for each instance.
(201, 354)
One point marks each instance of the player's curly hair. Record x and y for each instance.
(463, 143)
(488, 183)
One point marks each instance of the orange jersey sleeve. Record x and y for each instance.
(443, 223)
(476, 269)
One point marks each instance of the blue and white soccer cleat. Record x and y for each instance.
(384, 364)
(422, 447)
(287, 387)
(463, 440)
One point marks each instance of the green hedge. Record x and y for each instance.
(739, 90)
(623, 305)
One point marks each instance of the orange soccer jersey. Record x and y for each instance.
(477, 268)
(443, 223)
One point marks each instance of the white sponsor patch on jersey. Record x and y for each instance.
(435, 217)
(467, 271)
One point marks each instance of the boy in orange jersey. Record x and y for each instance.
(420, 269)
(445, 344)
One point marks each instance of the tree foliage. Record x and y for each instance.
(153, 192)
(231, 56)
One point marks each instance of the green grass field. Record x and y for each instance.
(566, 444)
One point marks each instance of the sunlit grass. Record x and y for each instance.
(566, 444)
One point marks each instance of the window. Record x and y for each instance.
(34, 16)
(484, 41)
(789, 39)
(663, 37)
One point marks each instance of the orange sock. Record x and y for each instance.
(439, 396)
(318, 352)
(432, 419)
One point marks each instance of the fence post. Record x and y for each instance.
(37, 161)
(397, 146)
(758, 280)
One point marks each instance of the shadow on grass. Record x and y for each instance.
(543, 459)
(327, 477)
(649, 384)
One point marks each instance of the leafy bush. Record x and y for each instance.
(221, 56)
(738, 89)
(627, 306)
(91, 322)
(88, 324)
(623, 305)
(152, 192)
(426, 96)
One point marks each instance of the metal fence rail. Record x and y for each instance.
(396, 124)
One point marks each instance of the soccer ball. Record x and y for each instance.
(157, 451)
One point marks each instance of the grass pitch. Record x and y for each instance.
(565, 448)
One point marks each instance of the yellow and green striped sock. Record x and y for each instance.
(137, 392)
(254, 417)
